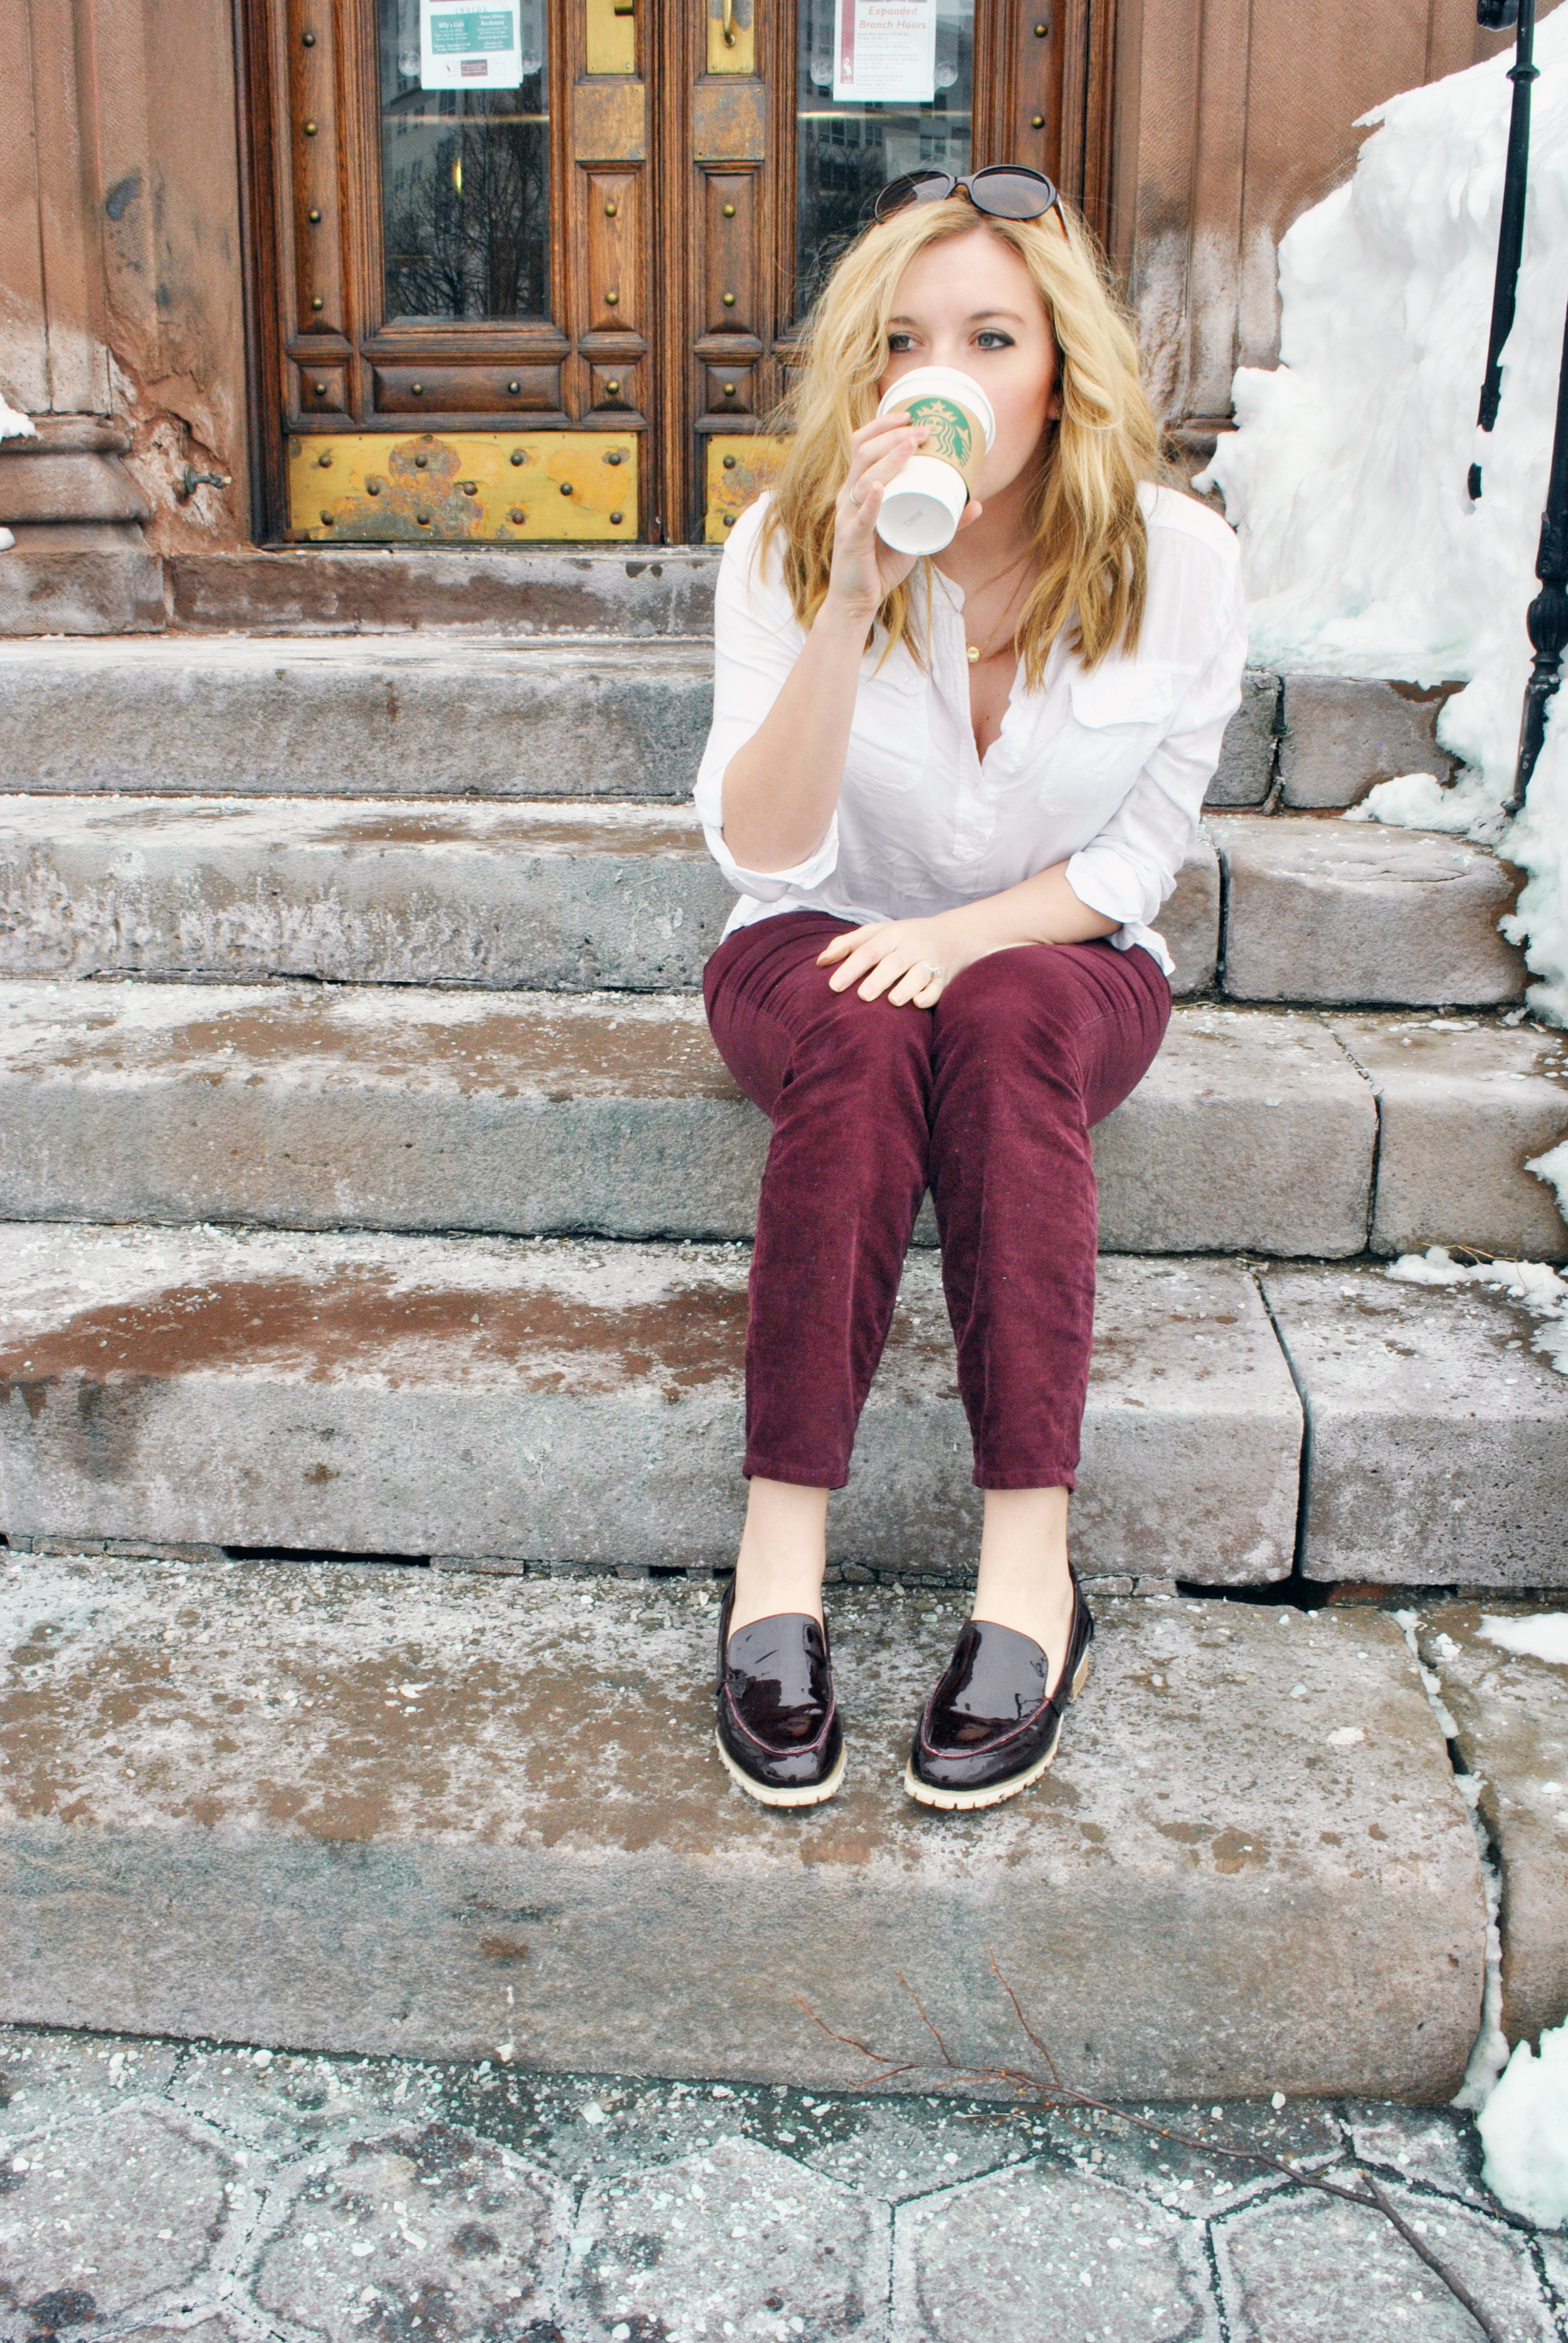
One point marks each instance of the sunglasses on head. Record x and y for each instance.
(1005, 190)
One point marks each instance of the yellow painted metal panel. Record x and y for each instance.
(740, 467)
(490, 488)
(731, 36)
(610, 29)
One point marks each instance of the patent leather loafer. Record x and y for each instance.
(778, 1730)
(992, 1724)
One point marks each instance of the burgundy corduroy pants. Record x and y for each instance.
(988, 1100)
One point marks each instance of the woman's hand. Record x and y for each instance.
(865, 570)
(910, 960)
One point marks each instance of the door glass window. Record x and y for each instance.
(847, 148)
(465, 158)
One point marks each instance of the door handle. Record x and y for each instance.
(729, 22)
(623, 7)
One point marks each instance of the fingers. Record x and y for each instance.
(847, 942)
(861, 958)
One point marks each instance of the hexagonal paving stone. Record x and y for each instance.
(1050, 2255)
(104, 2215)
(423, 2235)
(740, 2242)
(1306, 2272)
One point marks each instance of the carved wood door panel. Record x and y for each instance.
(531, 270)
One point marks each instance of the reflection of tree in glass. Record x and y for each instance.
(467, 225)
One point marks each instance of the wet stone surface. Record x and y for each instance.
(236, 2195)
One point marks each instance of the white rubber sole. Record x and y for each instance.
(815, 1795)
(996, 1792)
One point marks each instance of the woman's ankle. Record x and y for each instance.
(1024, 1581)
(783, 1553)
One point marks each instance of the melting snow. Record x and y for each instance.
(1346, 479)
(1544, 1637)
(1544, 1292)
(1523, 2128)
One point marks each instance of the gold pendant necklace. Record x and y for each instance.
(973, 651)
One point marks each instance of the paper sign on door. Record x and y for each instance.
(885, 51)
(465, 46)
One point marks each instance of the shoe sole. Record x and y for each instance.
(995, 1793)
(815, 1794)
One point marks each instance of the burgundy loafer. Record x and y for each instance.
(778, 1730)
(991, 1726)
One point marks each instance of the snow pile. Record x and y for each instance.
(1542, 1292)
(1523, 2128)
(1543, 1638)
(1346, 479)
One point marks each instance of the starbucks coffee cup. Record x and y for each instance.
(923, 504)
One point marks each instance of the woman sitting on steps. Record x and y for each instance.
(951, 796)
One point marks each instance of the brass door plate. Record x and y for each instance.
(463, 488)
(740, 467)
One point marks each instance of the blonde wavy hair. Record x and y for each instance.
(1088, 530)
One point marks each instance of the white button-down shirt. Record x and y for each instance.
(1103, 772)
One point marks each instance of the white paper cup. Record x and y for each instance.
(924, 502)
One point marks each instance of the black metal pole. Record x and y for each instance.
(1511, 235)
(1548, 618)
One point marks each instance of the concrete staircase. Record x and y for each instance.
(371, 1191)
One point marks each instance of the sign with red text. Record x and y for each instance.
(885, 52)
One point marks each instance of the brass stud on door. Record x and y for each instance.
(372, 487)
(729, 521)
(325, 461)
(417, 388)
(610, 210)
(517, 515)
(513, 389)
(613, 386)
(729, 391)
(730, 463)
(566, 487)
(319, 389)
(314, 216)
(615, 519)
(316, 302)
(1037, 121)
(730, 211)
(729, 300)
(518, 457)
(470, 488)
(310, 129)
(420, 462)
(611, 299)
(308, 40)
(1041, 31)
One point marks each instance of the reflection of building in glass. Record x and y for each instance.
(465, 183)
(846, 152)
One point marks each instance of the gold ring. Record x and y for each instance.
(855, 500)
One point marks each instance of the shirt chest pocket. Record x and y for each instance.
(1120, 713)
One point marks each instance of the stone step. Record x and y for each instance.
(1350, 913)
(413, 715)
(1340, 734)
(562, 1403)
(1509, 1707)
(533, 1113)
(555, 897)
(454, 1816)
(1437, 1431)
(385, 716)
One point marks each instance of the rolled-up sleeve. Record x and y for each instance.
(757, 640)
(1129, 869)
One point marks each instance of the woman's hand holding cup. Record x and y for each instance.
(865, 570)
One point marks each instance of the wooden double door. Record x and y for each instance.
(532, 270)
